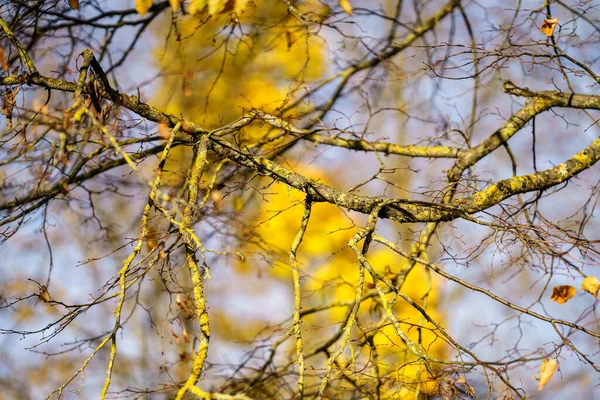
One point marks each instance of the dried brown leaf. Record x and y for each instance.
(151, 238)
(3, 62)
(289, 37)
(43, 294)
(74, 4)
(174, 335)
(562, 294)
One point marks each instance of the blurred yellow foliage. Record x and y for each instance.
(213, 72)
(331, 272)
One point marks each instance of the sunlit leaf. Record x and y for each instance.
(197, 6)
(142, 6)
(175, 5)
(43, 294)
(549, 25)
(547, 369)
(346, 6)
(562, 294)
(217, 6)
(289, 37)
(241, 5)
(217, 198)
(591, 285)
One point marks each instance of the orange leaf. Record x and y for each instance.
(3, 62)
(591, 285)
(187, 83)
(151, 238)
(217, 198)
(174, 335)
(547, 369)
(74, 4)
(549, 25)
(562, 294)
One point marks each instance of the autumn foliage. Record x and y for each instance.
(249, 199)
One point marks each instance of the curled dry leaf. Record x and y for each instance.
(547, 369)
(290, 39)
(174, 335)
(3, 62)
(43, 294)
(74, 4)
(562, 294)
(591, 285)
(549, 25)
(151, 238)
(142, 6)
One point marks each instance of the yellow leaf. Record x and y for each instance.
(346, 6)
(562, 294)
(219, 6)
(74, 4)
(44, 294)
(549, 25)
(217, 197)
(238, 203)
(289, 37)
(241, 5)
(591, 285)
(142, 6)
(547, 369)
(175, 5)
(197, 6)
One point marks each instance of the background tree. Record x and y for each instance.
(299, 199)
